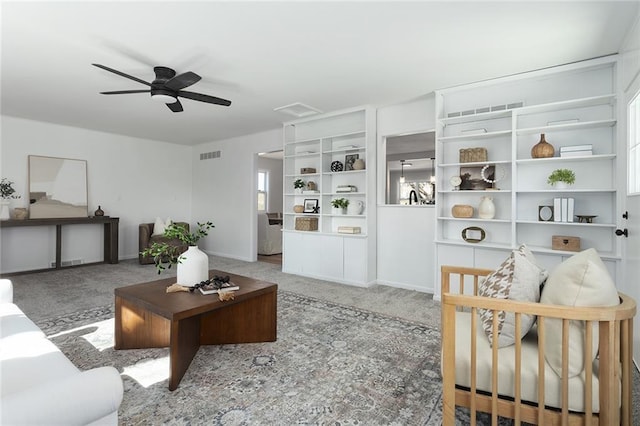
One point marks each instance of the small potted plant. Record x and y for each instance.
(561, 178)
(7, 193)
(298, 185)
(339, 205)
(165, 255)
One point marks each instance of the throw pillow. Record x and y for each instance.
(581, 280)
(518, 278)
(159, 226)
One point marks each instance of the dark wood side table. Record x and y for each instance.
(111, 229)
(146, 316)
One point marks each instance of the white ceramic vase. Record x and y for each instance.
(193, 267)
(486, 209)
(4, 210)
(355, 207)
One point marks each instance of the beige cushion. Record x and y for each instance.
(518, 278)
(159, 226)
(581, 280)
(506, 369)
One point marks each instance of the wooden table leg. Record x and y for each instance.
(184, 344)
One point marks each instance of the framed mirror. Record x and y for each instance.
(410, 169)
(57, 187)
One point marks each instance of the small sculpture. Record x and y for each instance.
(225, 295)
(173, 288)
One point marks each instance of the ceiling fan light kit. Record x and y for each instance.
(167, 87)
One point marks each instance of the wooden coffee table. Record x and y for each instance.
(146, 316)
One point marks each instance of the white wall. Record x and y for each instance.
(630, 84)
(274, 190)
(133, 179)
(224, 192)
(406, 248)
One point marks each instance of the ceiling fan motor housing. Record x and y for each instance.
(163, 74)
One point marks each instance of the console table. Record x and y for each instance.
(110, 233)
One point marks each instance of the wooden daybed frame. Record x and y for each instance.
(615, 325)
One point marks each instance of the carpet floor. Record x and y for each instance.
(344, 355)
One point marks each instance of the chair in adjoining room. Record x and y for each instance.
(146, 238)
(269, 236)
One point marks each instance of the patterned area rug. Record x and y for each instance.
(331, 364)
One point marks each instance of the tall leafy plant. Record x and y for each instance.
(166, 255)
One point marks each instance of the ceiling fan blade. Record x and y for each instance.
(203, 98)
(120, 73)
(124, 92)
(175, 107)
(183, 80)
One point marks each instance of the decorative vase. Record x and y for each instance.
(298, 208)
(193, 267)
(355, 207)
(542, 149)
(486, 209)
(99, 212)
(4, 210)
(338, 210)
(358, 164)
(297, 191)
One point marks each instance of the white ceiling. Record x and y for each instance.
(263, 55)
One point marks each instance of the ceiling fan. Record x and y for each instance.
(167, 87)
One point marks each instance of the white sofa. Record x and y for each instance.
(39, 385)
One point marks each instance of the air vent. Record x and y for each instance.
(209, 155)
(298, 109)
(73, 262)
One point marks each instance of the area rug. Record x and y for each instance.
(331, 364)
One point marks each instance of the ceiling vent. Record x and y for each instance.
(298, 109)
(209, 155)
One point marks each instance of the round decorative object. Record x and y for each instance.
(337, 166)
(455, 181)
(486, 209)
(311, 186)
(462, 210)
(492, 174)
(193, 267)
(358, 164)
(473, 234)
(99, 212)
(298, 208)
(542, 149)
(545, 213)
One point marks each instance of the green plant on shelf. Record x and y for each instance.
(340, 203)
(6, 190)
(298, 184)
(562, 175)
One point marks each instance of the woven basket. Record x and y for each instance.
(306, 223)
(473, 155)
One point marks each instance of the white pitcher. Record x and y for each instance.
(355, 207)
(486, 209)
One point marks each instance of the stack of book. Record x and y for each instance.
(346, 188)
(348, 229)
(576, 150)
(563, 209)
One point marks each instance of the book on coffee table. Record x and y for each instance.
(214, 289)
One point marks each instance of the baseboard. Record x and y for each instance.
(405, 286)
(228, 256)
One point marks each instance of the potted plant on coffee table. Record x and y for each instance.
(193, 264)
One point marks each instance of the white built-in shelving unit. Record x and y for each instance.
(572, 105)
(315, 143)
